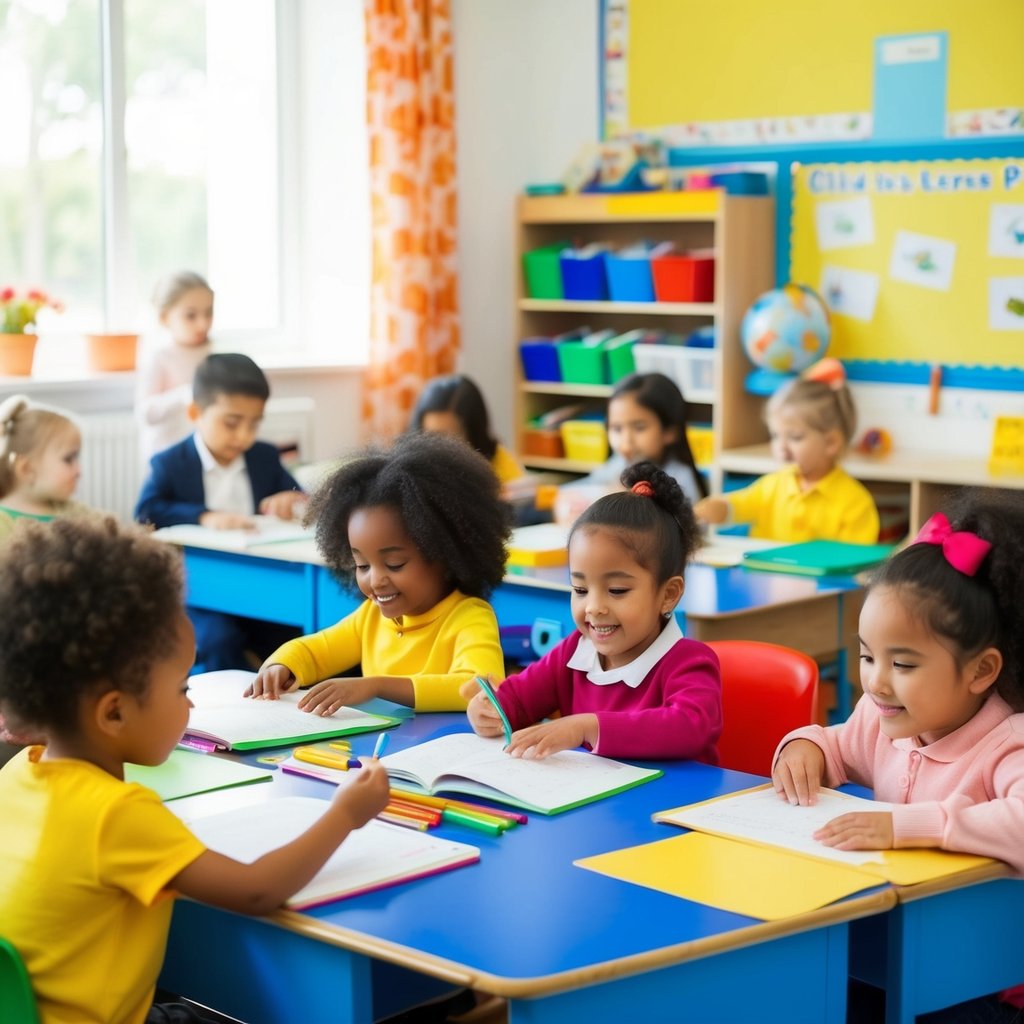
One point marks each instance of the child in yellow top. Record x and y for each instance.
(39, 469)
(421, 531)
(811, 421)
(97, 650)
(454, 405)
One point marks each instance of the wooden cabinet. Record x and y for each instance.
(739, 229)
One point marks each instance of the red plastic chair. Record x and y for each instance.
(767, 690)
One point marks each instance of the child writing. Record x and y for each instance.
(811, 421)
(219, 477)
(91, 863)
(39, 468)
(454, 405)
(420, 530)
(627, 684)
(937, 731)
(646, 422)
(184, 304)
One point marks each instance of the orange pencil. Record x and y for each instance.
(934, 384)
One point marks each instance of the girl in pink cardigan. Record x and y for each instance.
(937, 733)
(627, 684)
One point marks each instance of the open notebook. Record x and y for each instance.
(265, 530)
(466, 763)
(373, 857)
(222, 717)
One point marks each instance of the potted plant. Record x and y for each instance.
(18, 312)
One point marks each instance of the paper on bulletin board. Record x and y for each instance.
(942, 232)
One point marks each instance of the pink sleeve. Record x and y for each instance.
(537, 692)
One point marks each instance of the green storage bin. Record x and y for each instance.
(544, 272)
(620, 355)
(583, 363)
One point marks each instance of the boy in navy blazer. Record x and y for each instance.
(220, 477)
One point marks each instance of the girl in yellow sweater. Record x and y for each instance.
(421, 531)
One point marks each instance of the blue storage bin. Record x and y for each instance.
(741, 183)
(540, 359)
(629, 277)
(584, 277)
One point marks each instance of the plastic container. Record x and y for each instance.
(584, 277)
(629, 277)
(585, 440)
(540, 359)
(692, 369)
(741, 183)
(702, 444)
(585, 362)
(620, 356)
(543, 271)
(545, 444)
(684, 277)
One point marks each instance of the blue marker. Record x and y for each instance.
(381, 745)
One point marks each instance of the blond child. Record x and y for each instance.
(39, 467)
(97, 650)
(184, 306)
(811, 421)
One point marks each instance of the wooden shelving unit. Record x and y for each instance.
(740, 231)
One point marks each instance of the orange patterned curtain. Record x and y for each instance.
(414, 329)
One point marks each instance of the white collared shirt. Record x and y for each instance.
(225, 488)
(586, 659)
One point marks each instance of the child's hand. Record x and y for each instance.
(284, 504)
(366, 797)
(271, 681)
(482, 714)
(327, 697)
(798, 771)
(226, 521)
(536, 742)
(860, 830)
(712, 510)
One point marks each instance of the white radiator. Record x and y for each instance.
(111, 469)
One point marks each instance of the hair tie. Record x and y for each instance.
(643, 488)
(827, 371)
(965, 551)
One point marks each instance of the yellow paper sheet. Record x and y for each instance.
(758, 881)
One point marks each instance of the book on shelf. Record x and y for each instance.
(541, 545)
(469, 764)
(818, 557)
(223, 719)
(375, 856)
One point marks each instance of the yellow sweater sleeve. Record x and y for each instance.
(505, 466)
(322, 655)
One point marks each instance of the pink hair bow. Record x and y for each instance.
(965, 551)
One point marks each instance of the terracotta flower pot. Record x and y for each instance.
(109, 352)
(16, 352)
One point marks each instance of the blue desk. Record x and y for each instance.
(563, 944)
(288, 583)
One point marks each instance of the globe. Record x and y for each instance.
(786, 329)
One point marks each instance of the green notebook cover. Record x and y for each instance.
(818, 557)
(185, 773)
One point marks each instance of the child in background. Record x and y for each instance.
(220, 477)
(454, 405)
(91, 863)
(420, 530)
(936, 732)
(628, 684)
(184, 304)
(811, 421)
(39, 469)
(646, 422)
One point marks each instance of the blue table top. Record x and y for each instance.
(525, 911)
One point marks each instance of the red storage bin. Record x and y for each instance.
(684, 277)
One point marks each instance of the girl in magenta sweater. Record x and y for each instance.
(936, 733)
(627, 684)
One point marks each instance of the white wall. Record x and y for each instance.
(526, 100)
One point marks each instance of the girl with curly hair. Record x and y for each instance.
(421, 531)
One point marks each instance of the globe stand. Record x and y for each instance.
(765, 382)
